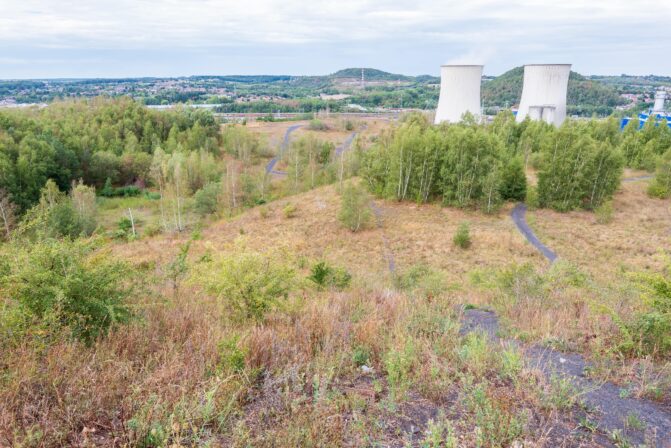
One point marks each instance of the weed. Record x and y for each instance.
(289, 211)
(634, 422)
(439, 433)
(604, 213)
(462, 238)
(399, 365)
(562, 394)
(496, 424)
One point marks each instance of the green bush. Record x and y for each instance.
(317, 125)
(206, 200)
(660, 187)
(247, 283)
(514, 181)
(289, 211)
(355, 213)
(648, 332)
(324, 276)
(421, 278)
(68, 285)
(462, 238)
(531, 199)
(231, 357)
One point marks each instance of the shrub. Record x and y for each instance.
(649, 331)
(604, 213)
(355, 211)
(532, 198)
(68, 285)
(206, 200)
(289, 211)
(324, 276)
(513, 181)
(462, 238)
(248, 283)
(497, 425)
(660, 187)
(152, 229)
(421, 278)
(317, 125)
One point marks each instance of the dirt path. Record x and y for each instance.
(519, 218)
(609, 406)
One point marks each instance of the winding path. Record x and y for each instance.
(612, 408)
(270, 168)
(518, 215)
(519, 218)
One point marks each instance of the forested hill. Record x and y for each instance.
(585, 96)
(370, 74)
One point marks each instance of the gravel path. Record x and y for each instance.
(605, 400)
(637, 178)
(518, 216)
(270, 168)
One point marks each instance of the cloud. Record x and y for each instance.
(466, 30)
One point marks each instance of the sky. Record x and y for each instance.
(128, 38)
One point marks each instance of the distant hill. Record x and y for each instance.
(370, 74)
(585, 96)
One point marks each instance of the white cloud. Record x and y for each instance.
(83, 23)
(503, 32)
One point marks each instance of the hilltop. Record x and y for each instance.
(585, 96)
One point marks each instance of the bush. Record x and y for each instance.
(532, 198)
(68, 285)
(604, 213)
(649, 331)
(248, 283)
(289, 211)
(206, 200)
(324, 276)
(421, 278)
(355, 211)
(317, 125)
(462, 238)
(513, 181)
(660, 187)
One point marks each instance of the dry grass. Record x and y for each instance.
(635, 240)
(166, 376)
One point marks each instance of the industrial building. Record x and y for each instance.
(658, 112)
(459, 92)
(544, 93)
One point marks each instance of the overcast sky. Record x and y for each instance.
(118, 38)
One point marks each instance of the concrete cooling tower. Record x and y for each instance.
(459, 92)
(544, 93)
(660, 98)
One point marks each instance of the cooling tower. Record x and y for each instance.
(459, 92)
(544, 93)
(660, 97)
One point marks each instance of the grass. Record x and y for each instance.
(186, 372)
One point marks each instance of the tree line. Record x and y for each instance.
(92, 140)
(578, 165)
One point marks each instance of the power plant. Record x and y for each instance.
(544, 93)
(459, 92)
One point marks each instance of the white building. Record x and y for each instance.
(660, 98)
(459, 92)
(544, 93)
